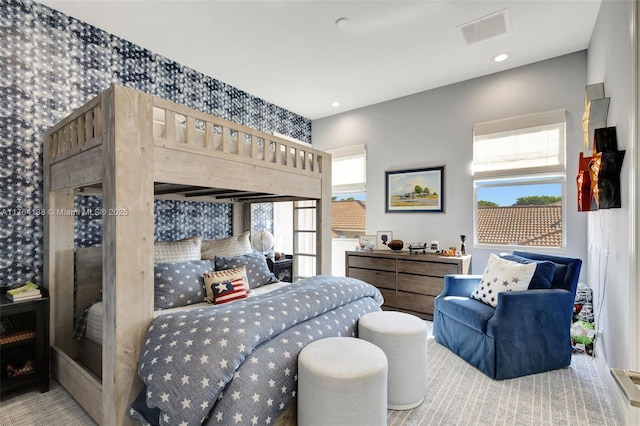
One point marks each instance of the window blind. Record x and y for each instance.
(520, 145)
(349, 171)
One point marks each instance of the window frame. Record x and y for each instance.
(523, 176)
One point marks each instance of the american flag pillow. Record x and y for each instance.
(226, 291)
(225, 286)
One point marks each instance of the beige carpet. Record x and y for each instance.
(458, 394)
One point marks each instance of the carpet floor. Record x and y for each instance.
(457, 394)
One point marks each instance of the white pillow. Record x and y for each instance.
(177, 251)
(502, 275)
(236, 245)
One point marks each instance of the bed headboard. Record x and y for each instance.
(88, 278)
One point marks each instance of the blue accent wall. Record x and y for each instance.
(50, 64)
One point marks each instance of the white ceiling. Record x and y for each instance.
(292, 54)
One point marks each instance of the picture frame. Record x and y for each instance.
(368, 241)
(415, 190)
(382, 238)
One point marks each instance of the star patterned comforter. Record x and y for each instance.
(236, 363)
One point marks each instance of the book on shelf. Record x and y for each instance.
(20, 298)
(24, 292)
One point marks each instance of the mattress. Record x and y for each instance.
(95, 314)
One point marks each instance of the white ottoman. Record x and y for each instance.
(342, 381)
(403, 338)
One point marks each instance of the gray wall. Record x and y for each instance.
(609, 231)
(435, 127)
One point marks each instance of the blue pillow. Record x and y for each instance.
(542, 277)
(180, 283)
(258, 272)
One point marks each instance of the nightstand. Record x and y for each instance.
(24, 342)
(282, 269)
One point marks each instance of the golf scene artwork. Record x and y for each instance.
(415, 190)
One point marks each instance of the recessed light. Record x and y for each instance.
(335, 104)
(343, 23)
(501, 57)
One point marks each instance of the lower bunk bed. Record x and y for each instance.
(233, 360)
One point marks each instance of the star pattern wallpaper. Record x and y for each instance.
(50, 64)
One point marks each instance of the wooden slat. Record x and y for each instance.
(85, 168)
(191, 131)
(190, 168)
(170, 125)
(86, 390)
(208, 135)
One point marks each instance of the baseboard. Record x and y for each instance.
(620, 401)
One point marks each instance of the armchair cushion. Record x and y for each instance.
(470, 312)
(543, 275)
(567, 269)
(502, 275)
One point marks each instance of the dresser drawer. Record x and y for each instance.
(431, 286)
(434, 269)
(367, 262)
(380, 279)
(415, 302)
(389, 298)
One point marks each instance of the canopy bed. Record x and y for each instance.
(130, 147)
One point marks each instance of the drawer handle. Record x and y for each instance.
(628, 381)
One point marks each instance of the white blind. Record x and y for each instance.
(349, 169)
(520, 145)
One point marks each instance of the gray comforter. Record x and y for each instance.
(237, 363)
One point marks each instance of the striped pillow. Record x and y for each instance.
(225, 286)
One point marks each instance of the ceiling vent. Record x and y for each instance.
(485, 27)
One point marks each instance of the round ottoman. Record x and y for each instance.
(342, 381)
(403, 338)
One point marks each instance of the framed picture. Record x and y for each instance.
(383, 238)
(415, 190)
(368, 242)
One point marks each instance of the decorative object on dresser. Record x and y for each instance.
(24, 342)
(408, 282)
(383, 238)
(396, 245)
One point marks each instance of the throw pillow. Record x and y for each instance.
(177, 251)
(258, 272)
(543, 276)
(231, 246)
(179, 284)
(226, 286)
(502, 275)
(211, 279)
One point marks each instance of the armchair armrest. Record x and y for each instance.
(531, 312)
(459, 285)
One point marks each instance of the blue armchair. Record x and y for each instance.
(528, 331)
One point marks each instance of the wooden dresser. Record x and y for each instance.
(409, 282)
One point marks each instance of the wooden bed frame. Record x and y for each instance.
(112, 146)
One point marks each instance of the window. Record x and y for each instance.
(519, 182)
(349, 205)
(348, 176)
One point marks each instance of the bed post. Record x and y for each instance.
(323, 218)
(127, 245)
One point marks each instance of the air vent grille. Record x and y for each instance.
(486, 27)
